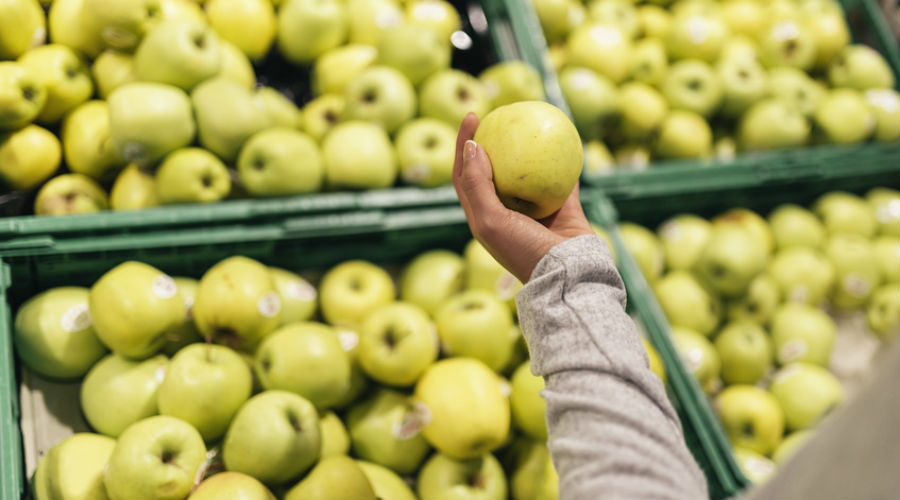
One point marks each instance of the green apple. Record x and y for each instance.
(597, 158)
(431, 278)
(511, 81)
(298, 296)
(438, 15)
(860, 67)
(752, 417)
(684, 134)
(483, 272)
(235, 65)
(653, 21)
(248, 24)
(281, 110)
(724, 147)
(744, 17)
(603, 48)
(192, 175)
(358, 155)
(74, 467)
(532, 177)
(887, 251)
(315, 347)
(111, 70)
(397, 343)
(64, 75)
(787, 42)
(645, 248)
(415, 50)
(335, 439)
(280, 161)
(751, 222)
(533, 476)
(758, 304)
(844, 117)
(745, 352)
(699, 356)
(118, 392)
(793, 225)
(69, 24)
(474, 324)
(351, 290)
(527, 404)
(807, 393)
(755, 467)
(182, 53)
(645, 111)
(234, 485)
(132, 305)
(367, 20)
(655, 361)
(40, 483)
(649, 62)
(693, 85)
(790, 445)
(309, 28)
(844, 212)
(885, 203)
(855, 268)
(205, 385)
(386, 429)
(30, 156)
(683, 238)
(237, 303)
(121, 24)
(382, 95)
(22, 27)
(274, 437)
(686, 303)
(771, 123)
(883, 310)
(87, 142)
(321, 115)
(133, 189)
(181, 10)
(186, 333)
(333, 477)
(54, 335)
(739, 47)
(450, 94)
(475, 478)
(593, 98)
(803, 274)
(696, 35)
(469, 412)
(22, 95)
(801, 332)
(558, 17)
(731, 259)
(336, 68)
(157, 457)
(227, 115)
(825, 20)
(743, 82)
(385, 482)
(884, 104)
(426, 149)
(634, 157)
(70, 194)
(149, 120)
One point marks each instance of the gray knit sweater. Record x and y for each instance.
(612, 431)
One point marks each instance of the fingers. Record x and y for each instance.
(476, 183)
(466, 131)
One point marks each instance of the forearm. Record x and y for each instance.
(612, 431)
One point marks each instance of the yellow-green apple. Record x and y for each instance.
(559, 17)
(844, 117)
(281, 110)
(684, 134)
(474, 324)
(149, 120)
(227, 115)
(653, 21)
(696, 35)
(298, 296)
(825, 21)
(757, 468)
(476, 478)
(205, 385)
(483, 272)
(274, 437)
(887, 251)
(65, 77)
(450, 94)
(790, 445)
(237, 303)
(533, 475)
(594, 100)
(731, 259)
(230, 484)
(745, 352)
(632, 156)
(743, 83)
(431, 278)
(801, 332)
(248, 24)
(367, 20)
(87, 142)
(385, 482)
(752, 417)
(181, 9)
(758, 304)
(358, 155)
(157, 457)
(787, 41)
(744, 17)
(793, 225)
(884, 104)
(683, 238)
(22, 27)
(527, 405)
(860, 67)
(699, 356)
(335, 439)
(844, 212)
(645, 111)
(121, 24)
(182, 53)
(468, 409)
(649, 62)
(185, 333)
(54, 335)
(336, 68)
(693, 85)
(386, 429)
(425, 151)
(856, 270)
(655, 360)
(382, 95)
(235, 65)
(803, 274)
(134, 189)
(771, 123)
(750, 221)
(321, 115)
(597, 158)
(280, 161)
(22, 95)
(616, 13)
(112, 69)
(353, 289)
(739, 47)
(314, 346)
(309, 28)
(531, 176)
(415, 50)
(28, 157)
(192, 175)
(807, 392)
(438, 15)
(603, 48)
(69, 25)
(511, 81)
(645, 248)
(687, 303)
(883, 310)
(118, 392)
(74, 467)
(885, 203)
(397, 343)
(70, 194)
(333, 477)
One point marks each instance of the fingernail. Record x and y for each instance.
(469, 150)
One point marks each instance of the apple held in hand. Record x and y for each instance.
(535, 153)
(87, 142)
(359, 155)
(386, 429)
(22, 95)
(476, 478)
(248, 24)
(353, 289)
(118, 392)
(475, 324)
(182, 53)
(801, 332)
(333, 477)
(397, 342)
(234, 485)
(807, 392)
(29, 156)
(309, 28)
(280, 161)
(380, 94)
(753, 418)
(426, 149)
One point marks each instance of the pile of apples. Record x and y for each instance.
(748, 299)
(663, 79)
(157, 100)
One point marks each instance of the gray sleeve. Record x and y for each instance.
(612, 431)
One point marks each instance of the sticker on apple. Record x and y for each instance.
(76, 318)
(348, 339)
(413, 422)
(760, 467)
(856, 285)
(416, 174)
(798, 294)
(505, 388)
(189, 307)
(301, 290)
(164, 287)
(269, 304)
(160, 374)
(792, 350)
(506, 285)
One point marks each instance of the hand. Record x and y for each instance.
(517, 241)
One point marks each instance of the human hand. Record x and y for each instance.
(517, 241)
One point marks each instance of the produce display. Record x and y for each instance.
(129, 104)
(752, 301)
(662, 79)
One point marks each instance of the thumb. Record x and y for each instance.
(477, 179)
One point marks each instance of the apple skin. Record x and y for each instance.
(22, 95)
(751, 222)
(803, 274)
(883, 311)
(732, 258)
(359, 155)
(182, 53)
(684, 134)
(186, 333)
(397, 343)
(445, 477)
(807, 393)
(87, 143)
(431, 278)
(594, 100)
(558, 17)
(843, 212)
(752, 417)
(298, 296)
(756, 467)
(70, 194)
(885, 203)
(787, 41)
(280, 161)
(683, 238)
(790, 445)
(426, 149)
(380, 94)
(74, 467)
(235, 65)
(615, 13)
(54, 336)
(333, 477)
(134, 189)
(121, 25)
(532, 177)
(655, 360)
(856, 270)
(793, 225)
(757, 305)
(699, 356)
(771, 124)
(385, 482)
(645, 112)
(233, 485)
(696, 35)
(744, 17)
(887, 249)
(885, 107)
(511, 81)
(795, 88)
(450, 94)
(527, 404)
(745, 352)
(438, 15)
(828, 27)
(603, 48)
(649, 62)
(597, 158)
(386, 429)
(111, 70)
(844, 117)
(367, 20)
(308, 28)
(335, 69)
(249, 24)
(693, 85)
(335, 439)
(65, 77)
(687, 303)
(192, 175)
(68, 25)
(227, 115)
(801, 332)
(654, 21)
(532, 475)
(646, 249)
(22, 26)
(351, 290)
(860, 67)
(281, 110)
(744, 81)
(118, 392)
(416, 51)
(28, 157)
(322, 114)
(474, 324)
